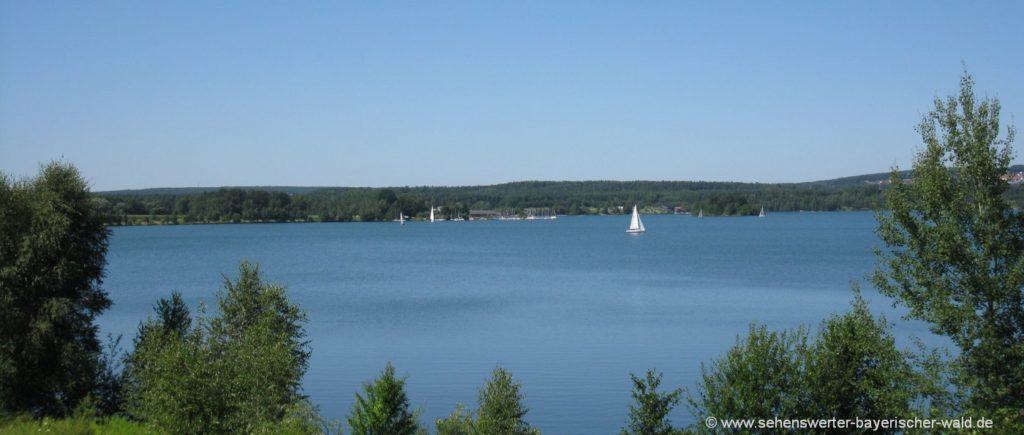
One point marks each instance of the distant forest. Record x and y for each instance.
(310, 204)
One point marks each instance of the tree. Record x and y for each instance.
(173, 321)
(955, 249)
(851, 369)
(761, 376)
(854, 369)
(460, 422)
(239, 372)
(384, 410)
(649, 416)
(53, 245)
(248, 305)
(173, 317)
(501, 409)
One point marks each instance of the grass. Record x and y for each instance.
(73, 426)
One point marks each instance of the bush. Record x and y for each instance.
(25, 425)
(852, 369)
(760, 377)
(239, 372)
(459, 422)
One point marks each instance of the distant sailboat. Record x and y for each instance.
(635, 224)
(431, 213)
(401, 219)
(762, 214)
(700, 214)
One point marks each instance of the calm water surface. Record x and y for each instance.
(570, 306)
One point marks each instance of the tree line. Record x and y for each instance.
(953, 256)
(238, 205)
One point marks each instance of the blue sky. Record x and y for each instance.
(152, 94)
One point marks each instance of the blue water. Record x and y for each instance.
(570, 306)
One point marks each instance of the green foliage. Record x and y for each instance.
(75, 426)
(53, 244)
(760, 377)
(649, 415)
(173, 314)
(854, 370)
(850, 370)
(172, 317)
(108, 397)
(249, 305)
(165, 206)
(501, 409)
(383, 409)
(955, 250)
(236, 373)
(304, 418)
(460, 422)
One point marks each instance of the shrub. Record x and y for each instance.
(239, 372)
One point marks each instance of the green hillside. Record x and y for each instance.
(318, 204)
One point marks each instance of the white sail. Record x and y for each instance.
(431, 213)
(762, 214)
(701, 213)
(635, 224)
(401, 219)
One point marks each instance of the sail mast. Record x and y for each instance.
(635, 224)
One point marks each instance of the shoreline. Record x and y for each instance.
(313, 221)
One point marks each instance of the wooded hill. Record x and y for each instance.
(290, 204)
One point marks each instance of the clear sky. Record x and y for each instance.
(374, 93)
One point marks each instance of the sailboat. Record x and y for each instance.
(431, 212)
(700, 214)
(401, 219)
(762, 214)
(635, 224)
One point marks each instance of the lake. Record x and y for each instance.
(570, 306)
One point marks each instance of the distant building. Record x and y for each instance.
(886, 182)
(1014, 178)
(483, 214)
